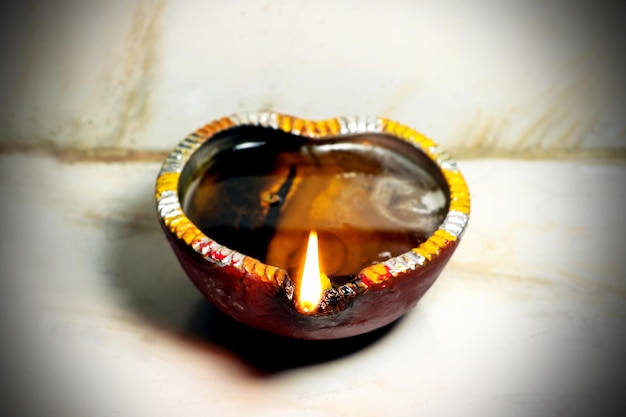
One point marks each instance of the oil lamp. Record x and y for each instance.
(311, 229)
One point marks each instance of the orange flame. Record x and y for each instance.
(313, 282)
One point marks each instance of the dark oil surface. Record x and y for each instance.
(367, 203)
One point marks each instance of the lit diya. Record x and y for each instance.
(311, 229)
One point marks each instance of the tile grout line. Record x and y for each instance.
(115, 154)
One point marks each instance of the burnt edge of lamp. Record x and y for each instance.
(262, 295)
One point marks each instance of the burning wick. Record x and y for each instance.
(313, 282)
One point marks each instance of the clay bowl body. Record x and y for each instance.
(258, 288)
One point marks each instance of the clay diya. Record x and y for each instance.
(311, 229)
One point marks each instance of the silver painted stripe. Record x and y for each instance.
(199, 244)
(165, 201)
(236, 119)
(190, 141)
(165, 209)
(457, 217)
(351, 124)
(184, 153)
(170, 168)
(253, 119)
(343, 125)
(172, 213)
(175, 156)
(361, 125)
(273, 122)
(168, 193)
(414, 259)
(454, 229)
(449, 165)
(228, 259)
(264, 119)
(244, 119)
(237, 259)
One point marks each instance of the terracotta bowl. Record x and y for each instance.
(263, 295)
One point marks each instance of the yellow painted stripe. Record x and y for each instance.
(425, 143)
(409, 134)
(375, 273)
(298, 124)
(463, 208)
(248, 264)
(225, 123)
(438, 240)
(444, 234)
(192, 234)
(168, 177)
(430, 247)
(308, 129)
(333, 126)
(270, 273)
(182, 227)
(389, 126)
(458, 188)
(321, 128)
(259, 269)
(206, 131)
(180, 219)
(425, 253)
(169, 220)
(453, 176)
(285, 122)
(458, 180)
(460, 199)
(399, 130)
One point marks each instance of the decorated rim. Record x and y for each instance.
(184, 230)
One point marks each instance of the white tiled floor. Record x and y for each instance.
(98, 319)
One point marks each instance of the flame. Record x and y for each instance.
(313, 282)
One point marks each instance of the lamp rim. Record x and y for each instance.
(183, 230)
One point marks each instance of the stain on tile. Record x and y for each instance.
(140, 60)
(402, 93)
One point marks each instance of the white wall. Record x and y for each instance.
(507, 74)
